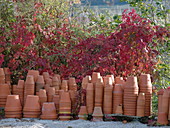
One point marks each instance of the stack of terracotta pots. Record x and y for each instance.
(65, 106)
(32, 107)
(13, 108)
(141, 105)
(29, 86)
(90, 98)
(85, 81)
(20, 91)
(130, 96)
(83, 113)
(50, 93)
(99, 85)
(48, 83)
(7, 76)
(40, 83)
(145, 86)
(117, 97)
(95, 77)
(4, 92)
(108, 89)
(48, 111)
(2, 76)
(42, 96)
(97, 114)
(14, 90)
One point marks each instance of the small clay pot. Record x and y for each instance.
(85, 81)
(34, 73)
(64, 85)
(72, 84)
(107, 81)
(83, 113)
(95, 77)
(97, 113)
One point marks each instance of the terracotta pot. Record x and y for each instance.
(165, 101)
(13, 116)
(59, 78)
(32, 103)
(34, 73)
(117, 96)
(13, 103)
(40, 83)
(4, 92)
(14, 90)
(48, 81)
(107, 81)
(160, 94)
(51, 92)
(99, 93)
(48, 111)
(162, 118)
(119, 109)
(83, 113)
(141, 105)
(107, 103)
(112, 77)
(97, 113)
(21, 84)
(42, 96)
(72, 84)
(73, 100)
(7, 75)
(2, 76)
(90, 98)
(64, 85)
(95, 77)
(85, 81)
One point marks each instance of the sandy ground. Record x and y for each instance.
(35, 123)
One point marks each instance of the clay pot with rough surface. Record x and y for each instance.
(90, 98)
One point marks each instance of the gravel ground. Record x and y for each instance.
(35, 123)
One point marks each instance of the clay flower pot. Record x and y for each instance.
(119, 80)
(141, 105)
(49, 111)
(99, 92)
(34, 73)
(50, 93)
(85, 81)
(97, 114)
(4, 92)
(40, 83)
(72, 84)
(2, 76)
(7, 75)
(107, 81)
(59, 78)
(112, 78)
(95, 77)
(73, 100)
(56, 99)
(165, 101)
(160, 94)
(64, 85)
(90, 98)
(13, 103)
(42, 96)
(107, 103)
(83, 113)
(14, 90)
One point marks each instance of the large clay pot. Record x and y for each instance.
(48, 111)
(141, 105)
(107, 103)
(99, 92)
(13, 103)
(97, 114)
(90, 98)
(83, 113)
(32, 107)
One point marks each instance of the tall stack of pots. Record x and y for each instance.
(145, 86)
(130, 96)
